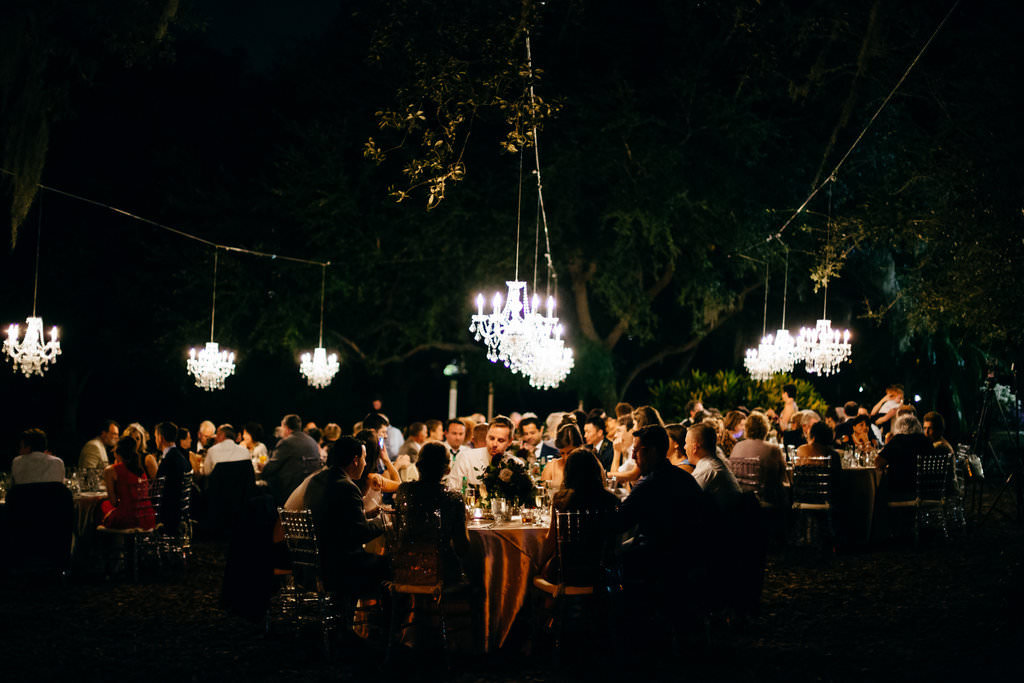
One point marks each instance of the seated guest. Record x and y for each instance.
(734, 425)
(252, 439)
(120, 510)
(934, 426)
(861, 436)
(336, 504)
(676, 450)
(95, 452)
(379, 476)
(597, 438)
(709, 470)
(204, 436)
(34, 465)
(844, 429)
(185, 444)
(582, 491)
(808, 418)
(567, 440)
(471, 463)
(624, 467)
(173, 466)
(898, 460)
(287, 466)
(224, 449)
(819, 445)
(417, 501)
(771, 463)
(664, 507)
(478, 437)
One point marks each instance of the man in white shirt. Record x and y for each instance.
(224, 449)
(472, 463)
(711, 473)
(35, 465)
(94, 452)
(454, 437)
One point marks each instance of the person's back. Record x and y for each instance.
(662, 506)
(771, 466)
(416, 503)
(899, 460)
(296, 457)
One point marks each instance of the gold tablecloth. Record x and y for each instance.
(855, 504)
(509, 555)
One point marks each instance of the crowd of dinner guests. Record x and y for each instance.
(670, 503)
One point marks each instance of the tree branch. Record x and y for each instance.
(654, 290)
(433, 346)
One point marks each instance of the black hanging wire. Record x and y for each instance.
(39, 241)
(213, 311)
(323, 285)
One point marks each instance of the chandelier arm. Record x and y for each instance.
(323, 283)
(213, 310)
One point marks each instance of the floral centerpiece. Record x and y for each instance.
(510, 480)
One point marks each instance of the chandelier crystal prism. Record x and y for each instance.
(319, 367)
(32, 355)
(552, 361)
(211, 365)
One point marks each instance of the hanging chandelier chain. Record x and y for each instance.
(323, 285)
(540, 184)
(519, 209)
(39, 241)
(828, 244)
(785, 286)
(213, 311)
(764, 319)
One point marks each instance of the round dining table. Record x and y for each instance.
(509, 556)
(856, 502)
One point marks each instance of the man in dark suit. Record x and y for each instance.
(595, 437)
(295, 457)
(173, 466)
(341, 526)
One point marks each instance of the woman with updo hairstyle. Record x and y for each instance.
(567, 440)
(379, 476)
(582, 491)
(120, 510)
(417, 503)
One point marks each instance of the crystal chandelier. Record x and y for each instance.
(33, 354)
(820, 347)
(515, 332)
(823, 349)
(775, 353)
(758, 360)
(319, 368)
(211, 365)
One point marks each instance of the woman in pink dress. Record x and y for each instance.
(123, 508)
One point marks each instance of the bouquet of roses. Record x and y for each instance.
(509, 479)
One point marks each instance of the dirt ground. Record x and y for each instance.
(939, 611)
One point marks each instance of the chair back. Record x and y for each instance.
(747, 472)
(812, 481)
(228, 488)
(146, 490)
(41, 521)
(303, 547)
(934, 475)
(415, 543)
(582, 545)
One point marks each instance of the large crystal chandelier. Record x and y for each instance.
(758, 360)
(823, 349)
(33, 354)
(820, 347)
(319, 368)
(211, 365)
(515, 332)
(775, 353)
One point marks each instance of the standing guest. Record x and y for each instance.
(472, 463)
(789, 407)
(120, 510)
(288, 465)
(883, 414)
(567, 440)
(33, 464)
(597, 438)
(771, 466)
(95, 453)
(252, 439)
(173, 466)
(454, 436)
(676, 447)
(709, 471)
(435, 430)
(224, 449)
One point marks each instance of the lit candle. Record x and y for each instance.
(535, 303)
(551, 306)
(480, 303)
(53, 333)
(497, 303)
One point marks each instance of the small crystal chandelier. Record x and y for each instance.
(211, 365)
(33, 354)
(758, 361)
(820, 347)
(319, 368)
(551, 362)
(774, 354)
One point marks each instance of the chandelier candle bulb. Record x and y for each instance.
(480, 304)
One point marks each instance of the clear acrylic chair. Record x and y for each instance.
(812, 497)
(934, 481)
(130, 545)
